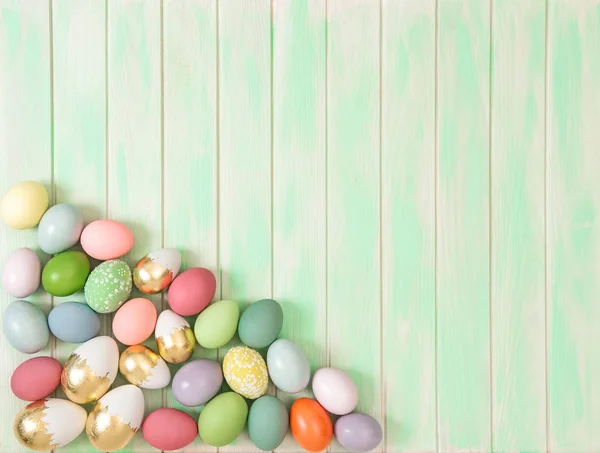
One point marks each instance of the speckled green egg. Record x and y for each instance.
(108, 286)
(65, 274)
(217, 324)
(222, 419)
(261, 323)
(268, 422)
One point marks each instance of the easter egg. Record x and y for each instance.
(108, 286)
(288, 366)
(358, 432)
(268, 422)
(261, 323)
(335, 390)
(66, 273)
(106, 239)
(49, 423)
(21, 273)
(36, 378)
(155, 271)
(246, 372)
(222, 419)
(197, 382)
(310, 425)
(24, 204)
(143, 367)
(74, 322)
(134, 322)
(25, 327)
(217, 324)
(192, 291)
(116, 418)
(174, 337)
(59, 228)
(169, 429)
(90, 370)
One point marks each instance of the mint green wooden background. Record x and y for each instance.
(416, 181)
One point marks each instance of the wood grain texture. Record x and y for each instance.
(463, 303)
(408, 224)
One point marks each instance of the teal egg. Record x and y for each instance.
(268, 422)
(261, 323)
(108, 286)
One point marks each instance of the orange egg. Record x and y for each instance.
(135, 321)
(310, 425)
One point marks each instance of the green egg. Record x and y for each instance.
(261, 323)
(222, 419)
(216, 325)
(268, 422)
(109, 286)
(65, 274)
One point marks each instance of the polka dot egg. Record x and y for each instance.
(246, 372)
(108, 286)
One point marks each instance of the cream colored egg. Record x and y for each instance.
(155, 271)
(246, 372)
(143, 367)
(174, 337)
(24, 205)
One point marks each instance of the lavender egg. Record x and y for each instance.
(358, 432)
(197, 382)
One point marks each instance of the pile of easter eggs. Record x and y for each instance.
(89, 373)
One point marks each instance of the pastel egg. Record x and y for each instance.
(155, 271)
(192, 291)
(116, 418)
(217, 324)
(222, 419)
(358, 432)
(50, 423)
(335, 390)
(73, 322)
(134, 322)
(174, 337)
(197, 382)
(24, 204)
(261, 323)
(36, 378)
(268, 422)
(106, 239)
(21, 273)
(25, 327)
(108, 286)
(143, 367)
(246, 372)
(60, 228)
(90, 370)
(288, 366)
(310, 425)
(66, 273)
(169, 429)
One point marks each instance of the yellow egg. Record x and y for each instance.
(246, 372)
(24, 205)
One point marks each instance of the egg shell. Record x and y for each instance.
(21, 273)
(174, 337)
(169, 429)
(217, 324)
(246, 372)
(197, 382)
(268, 422)
(157, 270)
(60, 228)
(143, 367)
(108, 286)
(66, 273)
(106, 239)
(222, 419)
(25, 327)
(261, 323)
(36, 378)
(134, 322)
(24, 204)
(335, 391)
(73, 322)
(288, 366)
(192, 291)
(310, 425)
(358, 432)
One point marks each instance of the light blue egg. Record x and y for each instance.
(288, 366)
(25, 327)
(74, 322)
(59, 228)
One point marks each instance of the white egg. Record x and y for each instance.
(168, 323)
(156, 271)
(174, 337)
(169, 258)
(143, 367)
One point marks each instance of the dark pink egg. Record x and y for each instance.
(192, 291)
(36, 378)
(169, 429)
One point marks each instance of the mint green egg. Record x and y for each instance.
(261, 323)
(108, 286)
(222, 419)
(217, 324)
(268, 422)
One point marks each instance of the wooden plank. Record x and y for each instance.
(573, 204)
(353, 214)
(517, 226)
(25, 154)
(463, 310)
(408, 224)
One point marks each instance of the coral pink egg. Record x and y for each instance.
(135, 321)
(192, 291)
(106, 239)
(169, 429)
(36, 378)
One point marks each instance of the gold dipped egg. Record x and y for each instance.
(155, 271)
(174, 337)
(143, 367)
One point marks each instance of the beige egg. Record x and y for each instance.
(143, 367)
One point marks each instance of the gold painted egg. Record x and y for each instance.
(174, 337)
(246, 372)
(143, 367)
(155, 271)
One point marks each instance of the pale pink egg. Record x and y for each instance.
(106, 239)
(134, 322)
